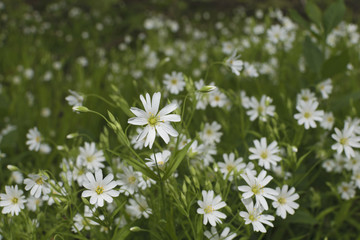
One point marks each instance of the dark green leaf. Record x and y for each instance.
(175, 161)
(299, 19)
(313, 12)
(333, 15)
(313, 56)
(303, 217)
(335, 65)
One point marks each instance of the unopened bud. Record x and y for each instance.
(12, 168)
(80, 109)
(135, 229)
(207, 89)
(72, 135)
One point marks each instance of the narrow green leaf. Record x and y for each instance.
(175, 160)
(314, 13)
(335, 65)
(303, 217)
(325, 212)
(298, 19)
(139, 166)
(313, 56)
(301, 159)
(333, 15)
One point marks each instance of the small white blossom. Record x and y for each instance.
(209, 207)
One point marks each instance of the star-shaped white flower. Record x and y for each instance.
(155, 120)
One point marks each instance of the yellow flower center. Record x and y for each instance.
(38, 139)
(305, 98)
(252, 217)
(209, 132)
(260, 109)
(153, 120)
(307, 115)
(256, 189)
(160, 163)
(343, 141)
(282, 200)
(330, 119)
(39, 181)
(345, 188)
(99, 190)
(14, 200)
(208, 209)
(217, 98)
(174, 81)
(230, 167)
(132, 179)
(264, 155)
(90, 158)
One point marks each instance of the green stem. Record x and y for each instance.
(101, 98)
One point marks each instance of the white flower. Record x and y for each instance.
(155, 121)
(160, 158)
(129, 180)
(308, 114)
(217, 99)
(12, 201)
(175, 82)
(266, 154)
(228, 47)
(211, 134)
(137, 144)
(260, 109)
(138, 207)
(90, 157)
(256, 186)
(34, 203)
(328, 121)
(230, 165)
(209, 207)
(202, 99)
(285, 201)
(74, 99)
(250, 70)
(325, 88)
(329, 165)
(255, 217)
(234, 63)
(345, 141)
(100, 189)
(305, 95)
(17, 177)
(356, 177)
(37, 184)
(34, 139)
(347, 190)
(277, 34)
(214, 235)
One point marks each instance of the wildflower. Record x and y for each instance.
(255, 217)
(100, 189)
(129, 180)
(230, 165)
(345, 141)
(328, 121)
(234, 63)
(277, 34)
(250, 70)
(214, 235)
(260, 109)
(75, 99)
(175, 82)
(211, 134)
(308, 114)
(256, 186)
(325, 88)
(12, 201)
(228, 47)
(155, 121)
(202, 99)
(305, 95)
(34, 203)
(285, 201)
(209, 207)
(217, 99)
(34, 139)
(90, 157)
(266, 154)
(347, 190)
(138, 207)
(37, 184)
(159, 159)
